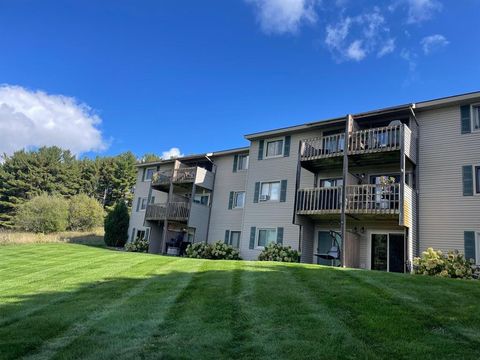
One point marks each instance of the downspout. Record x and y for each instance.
(417, 187)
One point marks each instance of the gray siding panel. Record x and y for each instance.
(444, 212)
(226, 180)
(272, 214)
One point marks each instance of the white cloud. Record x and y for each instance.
(421, 10)
(30, 119)
(284, 16)
(355, 51)
(433, 43)
(354, 38)
(173, 153)
(387, 48)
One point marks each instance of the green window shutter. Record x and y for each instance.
(469, 239)
(138, 203)
(260, 149)
(143, 174)
(133, 234)
(256, 194)
(280, 235)
(466, 122)
(230, 200)
(253, 231)
(147, 234)
(235, 162)
(467, 171)
(286, 148)
(283, 191)
(227, 236)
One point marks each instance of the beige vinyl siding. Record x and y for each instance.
(142, 189)
(444, 212)
(272, 214)
(226, 180)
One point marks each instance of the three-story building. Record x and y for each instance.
(369, 190)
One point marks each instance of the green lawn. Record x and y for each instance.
(68, 301)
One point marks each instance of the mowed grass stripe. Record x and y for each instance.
(377, 317)
(36, 330)
(130, 288)
(140, 316)
(199, 319)
(52, 273)
(21, 259)
(67, 284)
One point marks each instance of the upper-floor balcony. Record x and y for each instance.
(373, 199)
(175, 211)
(162, 179)
(366, 141)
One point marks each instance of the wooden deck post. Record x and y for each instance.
(343, 219)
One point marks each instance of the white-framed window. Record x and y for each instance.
(475, 117)
(266, 236)
(331, 182)
(143, 204)
(274, 148)
(270, 191)
(203, 199)
(234, 239)
(242, 162)
(149, 174)
(143, 234)
(238, 200)
(476, 176)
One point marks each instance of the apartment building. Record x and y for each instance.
(369, 190)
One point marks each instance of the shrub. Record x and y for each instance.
(84, 213)
(116, 225)
(198, 250)
(277, 252)
(139, 245)
(222, 251)
(215, 251)
(435, 263)
(43, 214)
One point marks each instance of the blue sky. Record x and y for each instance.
(109, 76)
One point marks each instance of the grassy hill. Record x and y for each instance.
(68, 301)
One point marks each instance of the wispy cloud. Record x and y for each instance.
(421, 10)
(354, 38)
(387, 48)
(284, 16)
(433, 43)
(173, 153)
(30, 119)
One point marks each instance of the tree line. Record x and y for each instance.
(55, 171)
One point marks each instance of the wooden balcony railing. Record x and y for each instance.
(323, 147)
(373, 199)
(385, 138)
(319, 200)
(360, 199)
(181, 175)
(178, 211)
(186, 174)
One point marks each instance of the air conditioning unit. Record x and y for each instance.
(264, 197)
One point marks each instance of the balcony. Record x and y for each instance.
(175, 211)
(183, 176)
(385, 141)
(360, 199)
(322, 147)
